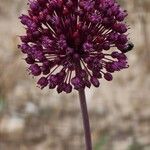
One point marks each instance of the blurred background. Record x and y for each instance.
(31, 119)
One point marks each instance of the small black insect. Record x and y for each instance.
(129, 47)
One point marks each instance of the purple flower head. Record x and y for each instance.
(68, 43)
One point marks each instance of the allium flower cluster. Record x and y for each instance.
(73, 43)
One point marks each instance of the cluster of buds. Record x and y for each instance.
(74, 43)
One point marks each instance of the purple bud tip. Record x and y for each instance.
(35, 70)
(95, 81)
(108, 76)
(42, 82)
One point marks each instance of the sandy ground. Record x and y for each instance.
(31, 119)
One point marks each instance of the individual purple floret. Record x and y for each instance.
(70, 44)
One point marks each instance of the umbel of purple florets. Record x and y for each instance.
(72, 44)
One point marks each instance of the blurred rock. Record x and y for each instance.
(12, 127)
(31, 108)
(122, 144)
